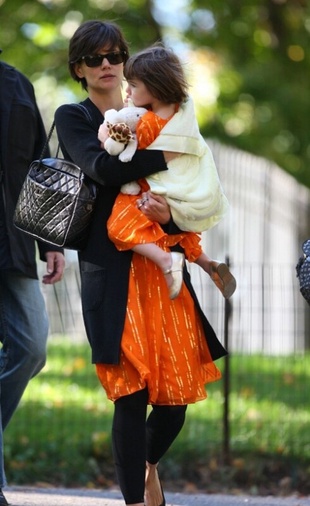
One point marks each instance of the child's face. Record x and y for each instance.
(139, 94)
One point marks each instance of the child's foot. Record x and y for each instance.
(174, 275)
(223, 278)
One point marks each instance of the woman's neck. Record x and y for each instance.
(105, 101)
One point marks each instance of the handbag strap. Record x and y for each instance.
(50, 133)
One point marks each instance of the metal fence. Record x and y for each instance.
(269, 315)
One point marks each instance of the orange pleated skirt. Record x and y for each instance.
(163, 345)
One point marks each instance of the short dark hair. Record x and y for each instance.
(161, 71)
(89, 38)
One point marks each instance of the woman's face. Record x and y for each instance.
(106, 75)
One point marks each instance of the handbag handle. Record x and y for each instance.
(48, 138)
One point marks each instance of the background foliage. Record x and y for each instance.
(248, 60)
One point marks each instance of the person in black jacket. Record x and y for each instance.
(23, 317)
(147, 348)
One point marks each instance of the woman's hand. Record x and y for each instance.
(154, 207)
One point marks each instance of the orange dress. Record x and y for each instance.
(163, 345)
(127, 226)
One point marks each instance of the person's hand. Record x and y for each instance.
(103, 134)
(170, 155)
(55, 265)
(154, 207)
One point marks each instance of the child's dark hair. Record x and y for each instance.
(161, 71)
(91, 37)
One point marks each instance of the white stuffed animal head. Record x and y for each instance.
(128, 115)
(122, 127)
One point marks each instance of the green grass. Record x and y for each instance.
(61, 432)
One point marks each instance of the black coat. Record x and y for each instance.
(104, 269)
(22, 138)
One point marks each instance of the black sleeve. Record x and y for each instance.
(44, 247)
(79, 143)
(171, 228)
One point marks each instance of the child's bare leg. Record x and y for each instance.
(171, 263)
(219, 273)
(153, 252)
(205, 263)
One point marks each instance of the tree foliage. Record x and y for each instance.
(258, 50)
(263, 104)
(34, 34)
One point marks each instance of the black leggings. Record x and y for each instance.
(136, 439)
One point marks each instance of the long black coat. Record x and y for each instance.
(22, 137)
(104, 269)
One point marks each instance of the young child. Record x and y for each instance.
(191, 185)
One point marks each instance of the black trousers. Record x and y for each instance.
(136, 439)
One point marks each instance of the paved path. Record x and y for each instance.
(31, 496)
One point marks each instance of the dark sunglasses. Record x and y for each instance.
(96, 60)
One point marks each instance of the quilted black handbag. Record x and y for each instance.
(303, 271)
(56, 202)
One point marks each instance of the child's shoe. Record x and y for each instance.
(176, 271)
(223, 278)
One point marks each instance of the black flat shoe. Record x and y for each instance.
(3, 501)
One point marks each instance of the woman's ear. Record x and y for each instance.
(78, 69)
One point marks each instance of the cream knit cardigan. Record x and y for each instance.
(191, 184)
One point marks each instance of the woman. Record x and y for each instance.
(131, 323)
